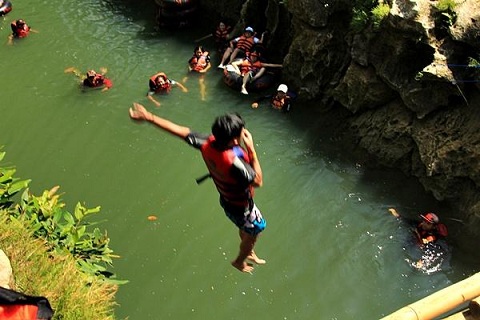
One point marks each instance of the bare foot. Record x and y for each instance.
(253, 257)
(244, 267)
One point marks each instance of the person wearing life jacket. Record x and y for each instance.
(5, 7)
(251, 68)
(230, 156)
(200, 61)
(429, 229)
(221, 36)
(242, 44)
(20, 29)
(281, 100)
(161, 84)
(97, 80)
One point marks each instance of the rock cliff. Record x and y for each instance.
(409, 81)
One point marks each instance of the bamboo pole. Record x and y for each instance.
(440, 302)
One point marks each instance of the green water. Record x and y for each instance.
(333, 251)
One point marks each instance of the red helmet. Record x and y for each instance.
(430, 218)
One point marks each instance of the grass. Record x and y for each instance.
(39, 271)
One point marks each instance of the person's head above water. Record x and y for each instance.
(282, 88)
(226, 128)
(91, 73)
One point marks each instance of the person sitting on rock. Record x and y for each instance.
(242, 44)
(250, 69)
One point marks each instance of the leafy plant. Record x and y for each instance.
(379, 13)
(64, 232)
(9, 186)
(446, 5)
(67, 232)
(359, 20)
(472, 62)
(447, 15)
(365, 12)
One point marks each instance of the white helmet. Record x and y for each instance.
(283, 88)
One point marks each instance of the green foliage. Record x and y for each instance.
(448, 16)
(472, 62)
(446, 5)
(65, 232)
(379, 13)
(9, 186)
(366, 12)
(359, 20)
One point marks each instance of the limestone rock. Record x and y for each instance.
(6, 275)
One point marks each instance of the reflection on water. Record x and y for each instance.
(431, 258)
(333, 251)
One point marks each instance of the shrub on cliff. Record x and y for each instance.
(54, 253)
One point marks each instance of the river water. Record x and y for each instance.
(333, 251)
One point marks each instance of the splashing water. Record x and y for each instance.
(434, 257)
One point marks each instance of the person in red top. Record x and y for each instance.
(242, 44)
(200, 61)
(221, 36)
(97, 80)
(281, 100)
(92, 79)
(429, 229)
(20, 29)
(430, 236)
(159, 83)
(250, 69)
(230, 157)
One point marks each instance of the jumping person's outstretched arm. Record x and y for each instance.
(138, 112)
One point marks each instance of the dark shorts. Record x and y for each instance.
(248, 219)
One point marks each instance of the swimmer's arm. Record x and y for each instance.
(181, 86)
(209, 65)
(151, 98)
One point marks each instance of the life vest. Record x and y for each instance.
(18, 306)
(221, 35)
(219, 164)
(199, 63)
(246, 66)
(19, 32)
(97, 81)
(245, 43)
(164, 88)
(278, 103)
(440, 231)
